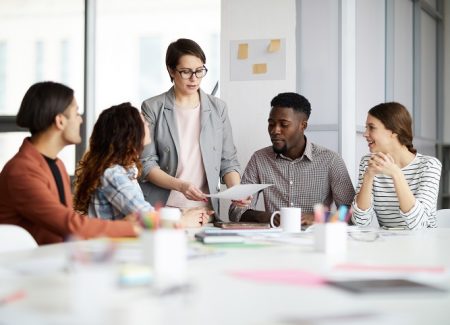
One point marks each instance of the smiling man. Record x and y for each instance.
(302, 172)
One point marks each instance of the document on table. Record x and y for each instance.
(291, 277)
(239, 192)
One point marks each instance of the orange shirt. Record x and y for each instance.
(29, 198)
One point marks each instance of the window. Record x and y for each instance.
(39, 40)
(130, 58)
(44, 40)
(65, 61)
(39, 61)
(151, 59)
(2, 77)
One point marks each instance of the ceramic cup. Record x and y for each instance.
(290, 219)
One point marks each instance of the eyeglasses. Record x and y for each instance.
(188, 73)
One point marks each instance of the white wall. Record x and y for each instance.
(447, 71)
(370, 56)
(318, 57)
(401, 88)
(319, 62)
(339, 63)
(350, 56)
(249, 101)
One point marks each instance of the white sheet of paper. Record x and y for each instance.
(239, 192)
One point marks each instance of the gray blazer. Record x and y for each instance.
(216, 144)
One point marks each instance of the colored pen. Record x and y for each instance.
(349, 215)
(318, 213)
(12, 297)
(334, 217)
(342, 212)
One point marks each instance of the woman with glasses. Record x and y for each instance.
(192, 144)
(397, 185)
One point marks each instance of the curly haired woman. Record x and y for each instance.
(106, 183)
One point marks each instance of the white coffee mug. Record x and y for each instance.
(290, 219)
(169, 217)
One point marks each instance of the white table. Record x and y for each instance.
(217, 297)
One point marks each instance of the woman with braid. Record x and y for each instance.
(397, 185)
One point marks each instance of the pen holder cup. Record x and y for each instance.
(331, 238)
(92, 280)
(165, 251)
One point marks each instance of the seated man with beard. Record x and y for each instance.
(302, 172)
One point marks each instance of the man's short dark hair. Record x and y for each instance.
(40, 105)
(292, 100)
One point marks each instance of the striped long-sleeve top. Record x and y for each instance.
(422, 175)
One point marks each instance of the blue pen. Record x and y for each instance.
(342, 212)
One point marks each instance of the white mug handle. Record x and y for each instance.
(271, 219)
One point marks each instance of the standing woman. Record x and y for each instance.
(192, 144)
(397, 185)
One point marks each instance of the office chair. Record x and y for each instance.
(15, 238)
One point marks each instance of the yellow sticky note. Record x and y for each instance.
(243, 51)
(259, 68)
(274, 45)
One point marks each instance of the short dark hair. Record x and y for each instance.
(180, 47)
(292, 100)
(396, 118)
(41, 103)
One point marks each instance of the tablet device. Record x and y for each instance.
(384, 286)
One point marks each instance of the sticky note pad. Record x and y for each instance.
(274, 45)
(243, 51)
(289, 277)
(134, 275)
(259, 68)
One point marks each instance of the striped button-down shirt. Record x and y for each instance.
(422, 175)
(318, 176)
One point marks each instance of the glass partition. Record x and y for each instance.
(39, 40)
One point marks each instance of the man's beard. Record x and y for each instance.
(281, 150)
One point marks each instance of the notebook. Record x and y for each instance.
(242, 225)
(384, 286)
(218, 238)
